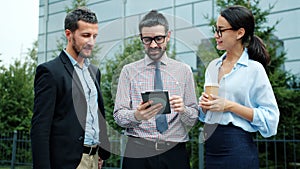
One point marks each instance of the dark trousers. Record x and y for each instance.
(143, 155)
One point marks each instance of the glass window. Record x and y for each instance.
(202, 10)
(185, 13)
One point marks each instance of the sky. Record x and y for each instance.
(19, 28)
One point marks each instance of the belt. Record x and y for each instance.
(158, 145)
(90, 150)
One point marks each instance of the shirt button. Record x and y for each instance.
(80, 138)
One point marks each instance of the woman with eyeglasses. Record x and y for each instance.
(245, 102)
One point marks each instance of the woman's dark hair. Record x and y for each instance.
(241, 17)
(153, 18)
(81, 13)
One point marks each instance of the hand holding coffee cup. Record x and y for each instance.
(211, 88)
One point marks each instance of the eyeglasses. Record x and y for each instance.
(219, 31)
(158, 39)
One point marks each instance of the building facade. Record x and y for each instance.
(189, 24)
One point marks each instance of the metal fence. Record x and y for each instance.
(15, 149)
(274, 153)
(280, 152)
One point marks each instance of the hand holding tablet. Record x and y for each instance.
(158, 97)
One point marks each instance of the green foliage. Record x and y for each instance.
(75, 4)
(206, 53)
(16, 90)
(61, 43)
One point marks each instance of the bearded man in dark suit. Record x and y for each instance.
(68, 124)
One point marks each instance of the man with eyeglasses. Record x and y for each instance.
(152, 144)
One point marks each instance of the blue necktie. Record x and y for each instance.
(161, 119)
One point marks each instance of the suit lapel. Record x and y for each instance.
(70, 69)
(93, 73)
(77, 94)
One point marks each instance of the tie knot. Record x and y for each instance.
(157, 64)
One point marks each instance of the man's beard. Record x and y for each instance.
(155, 57)
(78, 51)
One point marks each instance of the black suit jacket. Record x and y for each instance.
(59, 116)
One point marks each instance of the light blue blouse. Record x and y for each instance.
(248, 85)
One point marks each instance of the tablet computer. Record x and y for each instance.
(158, 96)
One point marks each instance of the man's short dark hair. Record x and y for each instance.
(153, 18)
(81, 13)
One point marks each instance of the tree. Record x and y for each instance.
(16, 90)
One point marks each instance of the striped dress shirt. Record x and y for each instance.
(138, 77)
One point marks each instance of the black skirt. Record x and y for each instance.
(229, 147)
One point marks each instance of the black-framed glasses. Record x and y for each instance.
(219, 31)
(158, 39)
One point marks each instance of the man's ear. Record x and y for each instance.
(168, 36)
(68, 34)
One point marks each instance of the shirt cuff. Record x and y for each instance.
(133, 119)
(188, 116)
(202, 115)
(256, 120)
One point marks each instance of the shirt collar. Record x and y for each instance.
(243, 60)
(163, 60)
(74, 62)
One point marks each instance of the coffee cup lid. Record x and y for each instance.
(212, 84)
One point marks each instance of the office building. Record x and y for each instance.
(189, 23)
